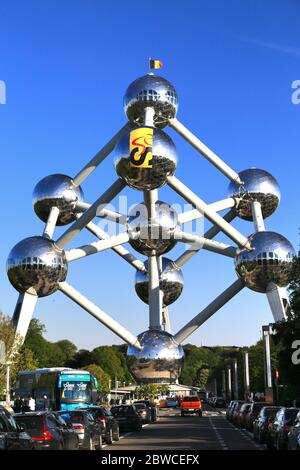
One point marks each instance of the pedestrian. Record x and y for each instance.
(46, 403)
(17, 404)
(31, 403)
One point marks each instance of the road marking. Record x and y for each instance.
(218, 435)
(248, 436)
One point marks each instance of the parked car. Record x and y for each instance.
(13, 436)
(253, 414)
(219, 402)
(110, 428)
(294, 435)
(127, 417)
(240, 417)
(230, 409)
(151, 407)
(89, 431)
(47, 431)
(261, 423)
(191, 404)
(144, 412)
(235, 411)
(172, 402)
(277, 437)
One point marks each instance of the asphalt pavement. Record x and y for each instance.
(172, 432)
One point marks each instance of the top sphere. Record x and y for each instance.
(151, 91)
(260, 186)
(57, 191)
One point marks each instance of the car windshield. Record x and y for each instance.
(76, 391)
(122, 410)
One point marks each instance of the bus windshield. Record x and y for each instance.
(76, 391)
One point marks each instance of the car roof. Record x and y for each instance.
(32, 413)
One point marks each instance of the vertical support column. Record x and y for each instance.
(154, 263)
(155, 295)
(7, 397)
(224, 384)
(267, 364)
(215, 387)
(235, 378)
(258, 219)
(246, 374)
(229, 388)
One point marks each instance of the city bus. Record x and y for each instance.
(66, 389)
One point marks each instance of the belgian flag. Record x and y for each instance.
(155, 64)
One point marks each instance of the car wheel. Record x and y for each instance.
(109, 437)
(117, 435)
(100, 443)
(182, 413)
(200, 414)
(91, 444)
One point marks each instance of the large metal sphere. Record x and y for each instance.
(160, 360)
(258, 185)
(36, 266)
(163, 162)
(151, 91)
(152, 235)
(171, 282)
(59, 191)
(270, 261)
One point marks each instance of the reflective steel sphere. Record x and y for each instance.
(270, 261)
(260, 186)
(171, 282)
(156, 234)
(60, 191)
(160, 360)
(36, 266)
(161, 160)
(151, 91)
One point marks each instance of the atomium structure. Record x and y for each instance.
(145, 159)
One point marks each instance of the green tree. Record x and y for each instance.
(101, 376)
(68, 350)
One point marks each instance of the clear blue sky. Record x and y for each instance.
(66, 65)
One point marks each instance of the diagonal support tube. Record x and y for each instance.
(97, 313)
(212, 308)
(204, 150)
(96, 247)
(100, 156)
(104, 213)
(120, 250)
(22, 315)
(218, 206)
(89, 215)
(215, 218)
(206, 244)
(211, 233)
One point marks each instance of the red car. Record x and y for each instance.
(191, 404)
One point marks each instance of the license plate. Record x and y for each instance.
(191, 409)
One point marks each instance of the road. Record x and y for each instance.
(171, 431)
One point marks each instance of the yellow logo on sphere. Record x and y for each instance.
(141, 142)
